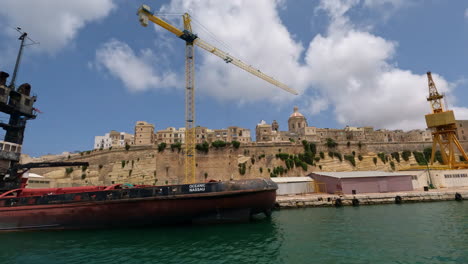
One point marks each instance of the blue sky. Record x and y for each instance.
(354, 62)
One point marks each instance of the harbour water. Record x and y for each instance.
(408, 233)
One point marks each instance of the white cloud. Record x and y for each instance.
(353, 71)
(135, 71)
(347, 69)
(258, 38)
(466, 13)
(54, 23)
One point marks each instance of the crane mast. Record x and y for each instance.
(145, 15)
(190, 130)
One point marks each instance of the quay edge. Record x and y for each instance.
(328, 200)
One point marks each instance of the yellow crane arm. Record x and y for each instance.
(230, 59)
(146, 15)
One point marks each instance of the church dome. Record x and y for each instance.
(296, 113)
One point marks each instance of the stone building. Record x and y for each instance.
(298, 130)
(462, 129)
(144, 134)
(113, 139)
(170, 135)
(239, 134)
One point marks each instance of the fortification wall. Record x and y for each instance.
(145, 165)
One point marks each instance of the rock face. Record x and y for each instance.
(145, 165)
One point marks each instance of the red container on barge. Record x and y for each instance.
(121, 205)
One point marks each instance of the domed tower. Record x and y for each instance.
(296, 121)
(275, 126)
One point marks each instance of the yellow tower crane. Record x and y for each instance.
(443, 125)
(145, 15)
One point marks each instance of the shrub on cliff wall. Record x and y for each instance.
(419, 157)
(235, 144)
(374, 159)
(338, 155)
(351, 159)
(382, 157)
(406, 155)
(309, 147)
(204, 147)
(360, 158)
(282, 156)
(218, 144)
(392, 165)
(177, 146)
(162, 147)
(396, 156)
(242, 168)
(322, 155)
(331, 143)
(309, 158)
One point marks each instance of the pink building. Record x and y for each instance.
(356, 182)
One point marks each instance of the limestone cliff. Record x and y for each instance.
(146, 165)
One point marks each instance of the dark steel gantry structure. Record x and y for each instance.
(17, 102)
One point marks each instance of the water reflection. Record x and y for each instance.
(408, 233)
(258, 242)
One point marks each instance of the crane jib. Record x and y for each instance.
(188, 36)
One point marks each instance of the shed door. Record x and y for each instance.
(383, 186)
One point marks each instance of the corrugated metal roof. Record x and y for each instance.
(360, 174)
(291, 179)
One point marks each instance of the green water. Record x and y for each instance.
(408, 233)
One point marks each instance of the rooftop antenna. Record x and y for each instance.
(22, 37)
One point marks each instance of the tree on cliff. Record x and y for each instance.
(331, 143)
(235, 144)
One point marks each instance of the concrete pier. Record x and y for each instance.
(322, 199)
